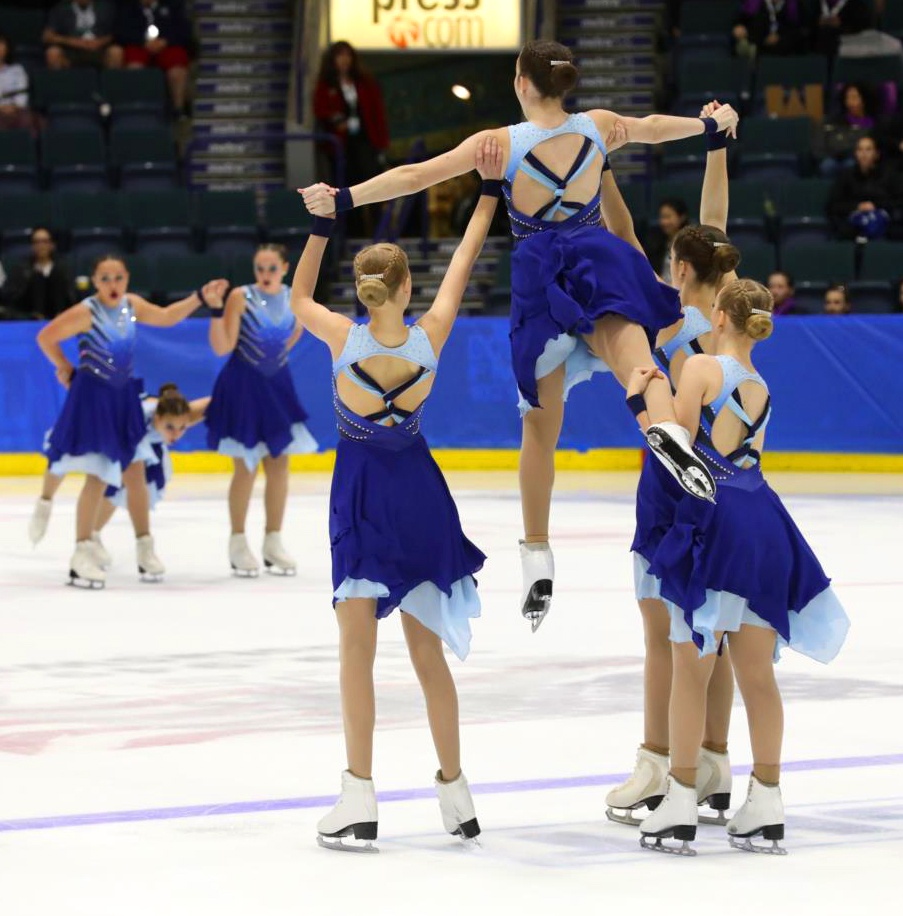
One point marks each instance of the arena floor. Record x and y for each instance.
(169, 748)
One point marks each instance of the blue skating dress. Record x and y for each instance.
(157, 464)
(741, 561)
(393, 526)
(567, 274)
(101, 426)
(254, 410)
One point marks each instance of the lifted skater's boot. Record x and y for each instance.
(150, 569)
(644, 789)
(713, 785)
(676, 817)
(456, 805)
(275, 558)
(538, 567)
(40, 518)
(354, 817)
(762, 814)
(671, 444)
(101, 554)
(244, 563)
(83, 569)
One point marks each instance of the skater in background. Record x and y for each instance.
(169, 416)
(396, 536)
(583, 301)
(738, 567)
(255, 416)
(101, 429)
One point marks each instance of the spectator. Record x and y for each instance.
(867, 199)
(857, 114)
(348, 104)
(157, 33)
(770, 27)
(14, 113)
(40, 286)
(673, 215)
(834, 18)
(782, 289)
(80, 34)
(837, 300)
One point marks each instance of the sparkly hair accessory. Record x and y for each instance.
(719, 244)
(381, 276)
(760, 312)
(558, 63)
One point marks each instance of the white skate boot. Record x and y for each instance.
(244, 564)
(40, 518)
(762, 813)
(713, 785)
(456, 805)
(150, 569)
(275, 558)
(645, 788)
(83, 569)
(671, 444)
(101, 554)
(676, 816)
(354, 814)
(538, 567)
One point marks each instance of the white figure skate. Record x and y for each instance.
(101, 554)
(713, 785)
(645, 788)
(354, 816)
(275, 558)
(761, 813)
(83, 569)
(40, 518)
(150, 569)
(670, 443)
(676, 816)
(456, 805)
(538, 567)
(244, 563)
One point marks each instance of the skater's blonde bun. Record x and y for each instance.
(749, 305)
(379, 272)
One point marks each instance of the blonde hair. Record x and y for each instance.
(749, 305)
(379, 271)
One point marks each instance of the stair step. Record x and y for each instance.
(615, 42)
(246, 168)
(252, 47)
(246, 27)
(211, 147)
(595, 63)
(241, 108)
(240, 8)
(602, 22)
(232, 69)
(210, 89)
(213, 128)
(617, 81)
(632, 5)
(225, 183)
(622, 102)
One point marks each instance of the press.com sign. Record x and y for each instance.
(427, 25)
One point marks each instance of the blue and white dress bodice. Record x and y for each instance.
(107, 350)
(686, 340)
(392, 426)
(267, 325)
(523, 138)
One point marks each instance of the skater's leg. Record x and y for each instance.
(275, 494)
(105, 511)
(240, 495)
(428, 658)
(541, 430)
(138, 499)
(86, 508)
(40, 517)
(719, 700)
(752, 649)
(687, 711)
(656, 675)
(50, 485)
(357, 651)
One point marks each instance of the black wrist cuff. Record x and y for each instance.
(637, 404)
(343, 200)
(716, 141)
(492, 187)
(710, 125)
(322, 226)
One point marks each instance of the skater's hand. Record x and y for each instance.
(709, 109)
(319, 199)
(489, 159)
(65, 374)
(214, 293)
(727, 120)
(640, 379)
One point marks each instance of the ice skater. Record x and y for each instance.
(255, 416)
(396, 536)
(740, 567)
(583, 301)
(101, 429)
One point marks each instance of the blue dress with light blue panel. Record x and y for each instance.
(254, 409)
(393, 525)
(568, 273)
(157, 463)
(693, 326)
(101, 427)
(740, 561)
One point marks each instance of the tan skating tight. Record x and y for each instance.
(752, 651)
(275, 494)
(357, 651)
(91, 498)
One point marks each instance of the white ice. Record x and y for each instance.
(207, 690)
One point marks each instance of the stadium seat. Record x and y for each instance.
(287, 221)
(228, 220)
(23, 26)
(747, 222)
(145, 159)
(801, 210)
(892, 19)
(792, 71)
(774, 147)
(726, 80)
(874, 297)
(757, 262)
(882, 261)
(160, 222)
(69, 97)
(240, 267)
(93, 222)
(706, 22)
(820, 262)
(75, 159)
(17, 222)
(177, 275)
(18, 162)
(685, 190)
(137, 98)
(683, 157)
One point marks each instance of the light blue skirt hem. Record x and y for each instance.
(580, 365)
(302, 443)
(818, 630)
(448, 617)
(99, 465)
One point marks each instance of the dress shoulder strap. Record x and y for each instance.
(524, 136)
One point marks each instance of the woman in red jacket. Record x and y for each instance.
(349, 104)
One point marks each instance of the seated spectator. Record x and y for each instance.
(40, 286)
(857, 114)
(782, 289)
(14, 111)
(79, 33)
(770, 27)
(837, 300)
(157, 33)
(672, 217)
(867, 200)
(834, 18)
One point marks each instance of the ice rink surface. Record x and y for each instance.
(168, 749)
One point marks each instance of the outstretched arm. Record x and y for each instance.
(438, 321)
(197, 409)
(713, 206)
(660, 128)
(170, 315)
